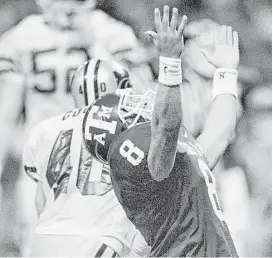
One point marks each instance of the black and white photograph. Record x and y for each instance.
(135, 128)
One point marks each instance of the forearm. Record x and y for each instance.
(165, 127)
(39, 199)
(167, 110)
(219, 127)
(167, 113)
(221, 121)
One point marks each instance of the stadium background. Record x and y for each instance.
(244, 176)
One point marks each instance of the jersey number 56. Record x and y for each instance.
(50, 72)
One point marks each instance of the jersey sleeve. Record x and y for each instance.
(30, 154)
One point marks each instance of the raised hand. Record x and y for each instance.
(226, 54)
(168, 40)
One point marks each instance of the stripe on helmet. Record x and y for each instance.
(91, 88)
(96, 88)
(85, 77)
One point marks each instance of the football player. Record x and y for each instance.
(79, 214)
(166, 186)
(37, 60)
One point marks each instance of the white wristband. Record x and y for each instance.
(225, 82)
(170, 71)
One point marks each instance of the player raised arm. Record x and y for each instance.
(221, 121)
(167, 113)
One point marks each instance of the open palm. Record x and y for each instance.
(226, 54)
(168, 40)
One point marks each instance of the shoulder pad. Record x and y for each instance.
(134, 143)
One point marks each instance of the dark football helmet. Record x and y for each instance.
(111, 114)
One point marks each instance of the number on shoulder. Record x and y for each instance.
(132, 153)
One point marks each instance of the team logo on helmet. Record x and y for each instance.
(108, 116)
(101, 125)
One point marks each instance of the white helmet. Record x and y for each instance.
(66, 14)
(97, 77)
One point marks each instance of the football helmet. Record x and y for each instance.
(66, 14)
(110, 115)
(95, 78)
(134, 107)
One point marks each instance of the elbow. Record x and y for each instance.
(162, 151)
(159, 167)
(157, 171)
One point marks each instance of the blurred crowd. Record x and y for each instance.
(244, 173)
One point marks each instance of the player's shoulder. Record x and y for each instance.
(134, 141)
(99, 16)
(127, 155)
(34, 136)
(66, 118)
(26, 26)
(22, 36)
(140, 135)
(42, 127)
(47, 127)
(63, 121)
(72, 115)
(112, 29)
(30, 21)
(105, 20)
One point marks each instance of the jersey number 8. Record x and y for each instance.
(132, 153)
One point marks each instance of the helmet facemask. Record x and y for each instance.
(135, 109)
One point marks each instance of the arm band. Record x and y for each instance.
(225, 82)
(170, 71)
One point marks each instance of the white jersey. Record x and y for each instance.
(77, 188)
(48, 58)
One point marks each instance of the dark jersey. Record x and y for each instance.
(179, 216)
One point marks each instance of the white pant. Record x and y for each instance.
(68, 246)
